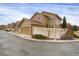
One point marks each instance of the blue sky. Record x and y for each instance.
(12, 12)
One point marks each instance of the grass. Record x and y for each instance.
(39, 36)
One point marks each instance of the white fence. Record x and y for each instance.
(49, 32)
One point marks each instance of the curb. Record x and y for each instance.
(29, 38)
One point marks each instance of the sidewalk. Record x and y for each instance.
(27, 37)
(20, 35)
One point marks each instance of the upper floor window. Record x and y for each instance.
(46, 25)
(50, 19)
(52, 26)
(49, 26)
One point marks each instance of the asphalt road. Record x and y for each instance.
(11, 45)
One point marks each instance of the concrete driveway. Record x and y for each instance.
(11, 45)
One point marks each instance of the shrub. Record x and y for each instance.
(75, 35)
(39, 36)
(74, 28)
(8, 30)
(66, 37)
(69, 36)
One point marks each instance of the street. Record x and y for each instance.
(11, 45)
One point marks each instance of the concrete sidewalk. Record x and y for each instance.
(20, 35)
(27, 37)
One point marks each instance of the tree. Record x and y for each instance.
(64, 24)
(74, 28)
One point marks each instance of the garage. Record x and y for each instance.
(26, 30)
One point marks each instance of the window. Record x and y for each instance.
(46, 25)
(49, 26)
(52, 26)
(50, 20)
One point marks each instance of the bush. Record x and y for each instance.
(69, 36)
(8, 30)
(39, 36)
(74, 28)
(75, 35)
(66, 37)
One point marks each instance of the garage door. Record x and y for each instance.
(26, 30)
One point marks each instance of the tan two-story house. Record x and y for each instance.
(48, 20)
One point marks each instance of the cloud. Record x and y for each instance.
(13, 12)
(10, 15)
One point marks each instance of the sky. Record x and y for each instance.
(12, 12)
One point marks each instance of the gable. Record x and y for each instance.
(39, 18)
(51, 15)
(25, 23)
(17, 24)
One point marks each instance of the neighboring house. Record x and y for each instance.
(10, 27)
(78, 28)
(16, 29)
(2, 27)
(48, 20)
(25, 26)
(6, 27)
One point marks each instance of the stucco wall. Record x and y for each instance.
(25, 23)
(40, 18)
(49, 32)
(55, 21)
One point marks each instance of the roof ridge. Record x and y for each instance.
(48, 12)
(52, 14)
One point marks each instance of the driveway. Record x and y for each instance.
(11, 45)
